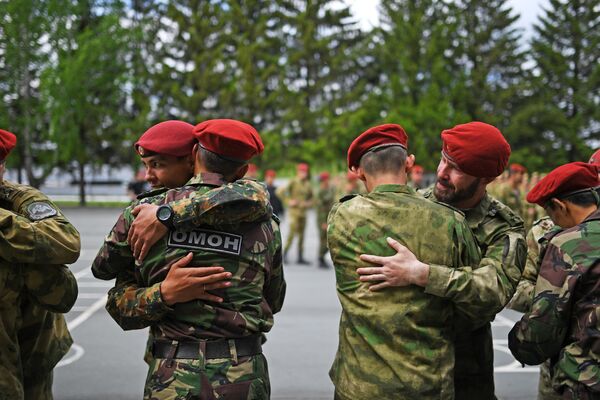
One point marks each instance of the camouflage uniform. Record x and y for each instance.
(397, 343)
(301, 191)
(256, 293)
(523, 297)
(325, 200)
(512, 198)
(563, 322)
(33, 333)
(501, 237)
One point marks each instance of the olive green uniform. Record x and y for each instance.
(299, 190)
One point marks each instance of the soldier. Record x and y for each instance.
(473, 154)
(203, 349)
(397, 343)
(325, 199)
(510, 192)
(298, 196)
(417, 174)
(276, 202)
(562, 324)
(33, 332)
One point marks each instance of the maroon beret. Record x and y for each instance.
(595, 158)
(302, 167)
(375, 137)
(171, 138)
(231, 139)
(324, 176)
(563, 180)
(477, 148)
(270, 172)
(514, 167)
(417, 168)
(8, 141)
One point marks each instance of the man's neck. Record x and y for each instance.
(580, 214)
(471, 202)
(372, 181)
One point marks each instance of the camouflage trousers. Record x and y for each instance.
(199, 379)
(297, 224)
(322, 239)
(39, 388)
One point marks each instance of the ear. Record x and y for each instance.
(558, 205)
(195, 151)
(359, 172)
(410, 162)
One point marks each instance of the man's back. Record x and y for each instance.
(395, 343)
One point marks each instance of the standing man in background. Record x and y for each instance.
(325, 199)
(35, 240)
(276, 202)
(417, 174)
(298, 196)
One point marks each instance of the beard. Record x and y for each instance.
(450, 195)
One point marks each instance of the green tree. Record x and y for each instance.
(561, 118)
(28, 31)
(83, 93)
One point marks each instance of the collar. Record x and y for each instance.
(476, 214)
(595, 216)
(207, 179)
(394, 188)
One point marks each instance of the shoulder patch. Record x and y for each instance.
(208, 240)
(347, 197)
(39, 210)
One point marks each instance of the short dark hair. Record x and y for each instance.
(389, 159)
(582, 199)
(215, 163)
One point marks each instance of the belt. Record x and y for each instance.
(220, 348)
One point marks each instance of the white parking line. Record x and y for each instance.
(90, 284)
(78, 352)
(98, 304)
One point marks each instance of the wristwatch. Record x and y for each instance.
(164, 214)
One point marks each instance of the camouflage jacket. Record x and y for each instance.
(512, 198)
(563, 322)
(523, 297)
(33, 235)
(396, 343)
(486, 287)
(325, 199)
(250, 251)
(299, 190)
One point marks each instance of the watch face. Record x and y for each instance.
(164, 213)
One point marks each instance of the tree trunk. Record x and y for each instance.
(82, 200)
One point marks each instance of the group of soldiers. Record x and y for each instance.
(420, 274)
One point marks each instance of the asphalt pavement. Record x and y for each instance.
(106, 362)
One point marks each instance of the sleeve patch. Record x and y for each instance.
(39, 210)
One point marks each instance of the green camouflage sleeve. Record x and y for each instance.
(523, 297)
(242, 201)
(37, 232)
(54, 289)
(540, 334)
(134, 307)
(488, 286)
(274, 290)
(115, 255)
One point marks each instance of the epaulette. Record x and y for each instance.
(505, 212)
(151, 193)
(348, 197)
(458, 210)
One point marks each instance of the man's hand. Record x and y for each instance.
(186, 284)
(145, 230)
(401, 269)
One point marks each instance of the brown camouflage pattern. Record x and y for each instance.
(256, 293)
(563, 322)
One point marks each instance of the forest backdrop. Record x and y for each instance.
(80, 81)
